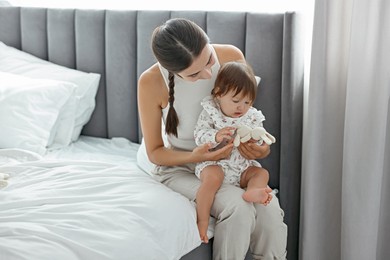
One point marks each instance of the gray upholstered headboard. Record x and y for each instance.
(116, 45)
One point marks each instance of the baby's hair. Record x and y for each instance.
(237, 77)
(176, 44)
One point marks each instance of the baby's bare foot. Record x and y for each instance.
(202, 227)
(258, 195)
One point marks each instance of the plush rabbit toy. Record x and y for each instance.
(245, 133)
(3, 179)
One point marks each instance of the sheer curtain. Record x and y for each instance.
(345, 199)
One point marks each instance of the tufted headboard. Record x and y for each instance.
(116, 44)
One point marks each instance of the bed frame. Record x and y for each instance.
(116, 44)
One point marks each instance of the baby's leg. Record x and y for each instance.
(211, 179)
(255, 179)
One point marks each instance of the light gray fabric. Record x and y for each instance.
(345, 178)
(263, 231)
(116, 44)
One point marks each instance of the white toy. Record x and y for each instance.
(3, 179)
(245, 133)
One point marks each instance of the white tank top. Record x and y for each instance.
(188, 96)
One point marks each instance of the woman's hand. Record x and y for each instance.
(251, 150)
(203, 153)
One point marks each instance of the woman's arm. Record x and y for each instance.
(152, 97)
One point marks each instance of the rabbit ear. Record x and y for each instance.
(269, 138)
(257, 133)
(236, 141)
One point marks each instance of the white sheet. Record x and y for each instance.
(90, 201)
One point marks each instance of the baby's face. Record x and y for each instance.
(234, 106)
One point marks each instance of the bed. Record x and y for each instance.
(75, 189)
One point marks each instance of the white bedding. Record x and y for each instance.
(90, 201)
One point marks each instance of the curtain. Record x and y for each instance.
(345, 189)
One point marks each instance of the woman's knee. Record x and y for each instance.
(269, 216)
(229, 205)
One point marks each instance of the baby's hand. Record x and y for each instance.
(227, 134)
(224, 134)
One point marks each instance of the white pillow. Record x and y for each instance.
(61, 134)
(19, 62)
(29, 109)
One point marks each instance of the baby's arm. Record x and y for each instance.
(224, 137)
(204, 130)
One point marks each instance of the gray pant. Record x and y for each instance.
(239, 225)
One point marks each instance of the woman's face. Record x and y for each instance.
(201, 67)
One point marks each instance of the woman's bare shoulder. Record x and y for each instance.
(152, 74)
(228, 52)
(151, 83)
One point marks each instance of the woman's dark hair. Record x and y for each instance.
(175, 45)
(237, 77)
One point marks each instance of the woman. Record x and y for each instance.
(173, 89)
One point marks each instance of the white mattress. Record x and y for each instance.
(90, 201)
